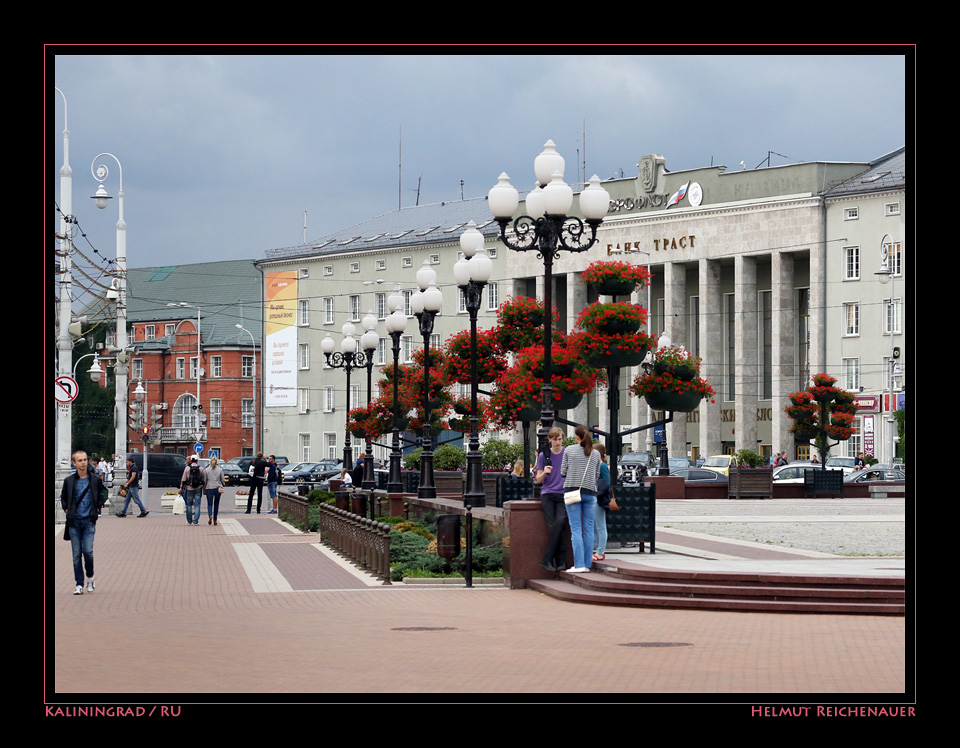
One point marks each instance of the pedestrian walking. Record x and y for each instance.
(258, 468)
(191, 486)
(213, 485)
(132, 490)
(273, 478)
(82, 496)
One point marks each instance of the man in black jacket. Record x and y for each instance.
(82, 497)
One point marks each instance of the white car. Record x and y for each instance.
(846, 464)
(793, 472)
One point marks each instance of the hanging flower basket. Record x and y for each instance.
(663, 390)
(491, 360)
(520, 312)
(674, 401)
(614, 278)
(615, 318)
(605, 351)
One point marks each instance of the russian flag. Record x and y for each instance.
(678, 195)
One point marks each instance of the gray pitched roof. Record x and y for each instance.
(228, 293)
(423, 224)
(885, 173)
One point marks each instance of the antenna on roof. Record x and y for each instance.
(304, 227)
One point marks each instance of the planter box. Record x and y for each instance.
(750, 483)
(823, 481)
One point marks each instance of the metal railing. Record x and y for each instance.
(363, 541)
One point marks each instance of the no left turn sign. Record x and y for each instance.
(65, 389)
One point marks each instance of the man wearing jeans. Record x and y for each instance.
(82, 497)
(192, 485)
(133, 490)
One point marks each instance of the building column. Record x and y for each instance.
(674, 325)
(784, 345)
(576, 303)
(745, 325)
(711, 351)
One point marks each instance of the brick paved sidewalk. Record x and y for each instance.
(252, 607)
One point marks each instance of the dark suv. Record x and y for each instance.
(163, 468)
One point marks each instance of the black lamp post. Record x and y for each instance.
(471, 274)
(547, 229)
(396, 323)
(347, 358)
(425, 304)
(369, 341)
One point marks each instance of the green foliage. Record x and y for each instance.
(498, 452)
(445, 457)
(411, 554)
(750, 458)
(319, 496)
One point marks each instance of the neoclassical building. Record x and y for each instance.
(743, 263)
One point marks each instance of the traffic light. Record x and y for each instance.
(136, 415)
(156, 416)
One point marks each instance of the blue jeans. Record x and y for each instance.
(213, 502)
(133, 492)
(192, 498)
(600, 531)
(581, 517)
(81, 541)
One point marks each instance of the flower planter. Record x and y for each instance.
(616, 356)
(752, 483)
(566, 401)
(614, 287)
(448, 481)
(679, 402)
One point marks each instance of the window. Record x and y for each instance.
(892, 254)
(765, 330)
(328, 310)
(851, 318)
(169, 329)
(136, 370)
(328, 399)
(407, 262)
(851, 263)
(303, 400)
(435, 342)
(149, 332)
(693, 326)
(434, 259)
(328, 269)
(216, 412)
(892, 209)
(354, 267)
(851, 214)
(303, 312)
(185, 412)
(407, 349)
(247, 364)
(851, 374)
(303, 273)
(493, 296)
(303, 355)
(461, 300)
(381, 351)
(180, 369)
(193, 367)
(891, 316)
(381, 303)
(216, 366)
(331, 443)
(381, 264)
(355, 308)
(246, 413)
(354, 395)
(303, 447)
(407, 295)
(730, 309)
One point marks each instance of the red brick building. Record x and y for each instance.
(163, 307)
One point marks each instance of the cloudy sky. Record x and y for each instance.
(224, 155)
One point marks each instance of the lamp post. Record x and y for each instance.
(369, 341)
(471, 274)
(547, 229)
(254, 372)
(887, 274)
(425, 304)
(347, 358)
(118, 292)
(396, 324)
(64, 338)
(140, 394)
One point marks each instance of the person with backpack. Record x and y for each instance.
(191, 487)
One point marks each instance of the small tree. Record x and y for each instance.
(822, 412)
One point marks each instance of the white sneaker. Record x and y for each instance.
(577, 569)
(79, 590)
(90, 584)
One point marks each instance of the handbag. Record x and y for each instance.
(122, 492)
(614, 506)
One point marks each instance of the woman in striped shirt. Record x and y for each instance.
(580, 469)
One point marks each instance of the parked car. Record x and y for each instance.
(876, 473)
(700, 475)
(633, 466)
(312, 473)
(793, 472)
(236, 471)
(163, 468)
(847, 464)
(720, 463)
(678, 463)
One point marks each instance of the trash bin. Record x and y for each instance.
(448, 536)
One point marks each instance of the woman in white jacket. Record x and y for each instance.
(580, 469)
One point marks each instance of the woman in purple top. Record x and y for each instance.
(551, 501)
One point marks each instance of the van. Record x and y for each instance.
(163, 468)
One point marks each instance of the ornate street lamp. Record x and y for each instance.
(547, 229)
(471, 274)
(347, 358)
(425, 304)
(396, 323)
(369, 341)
